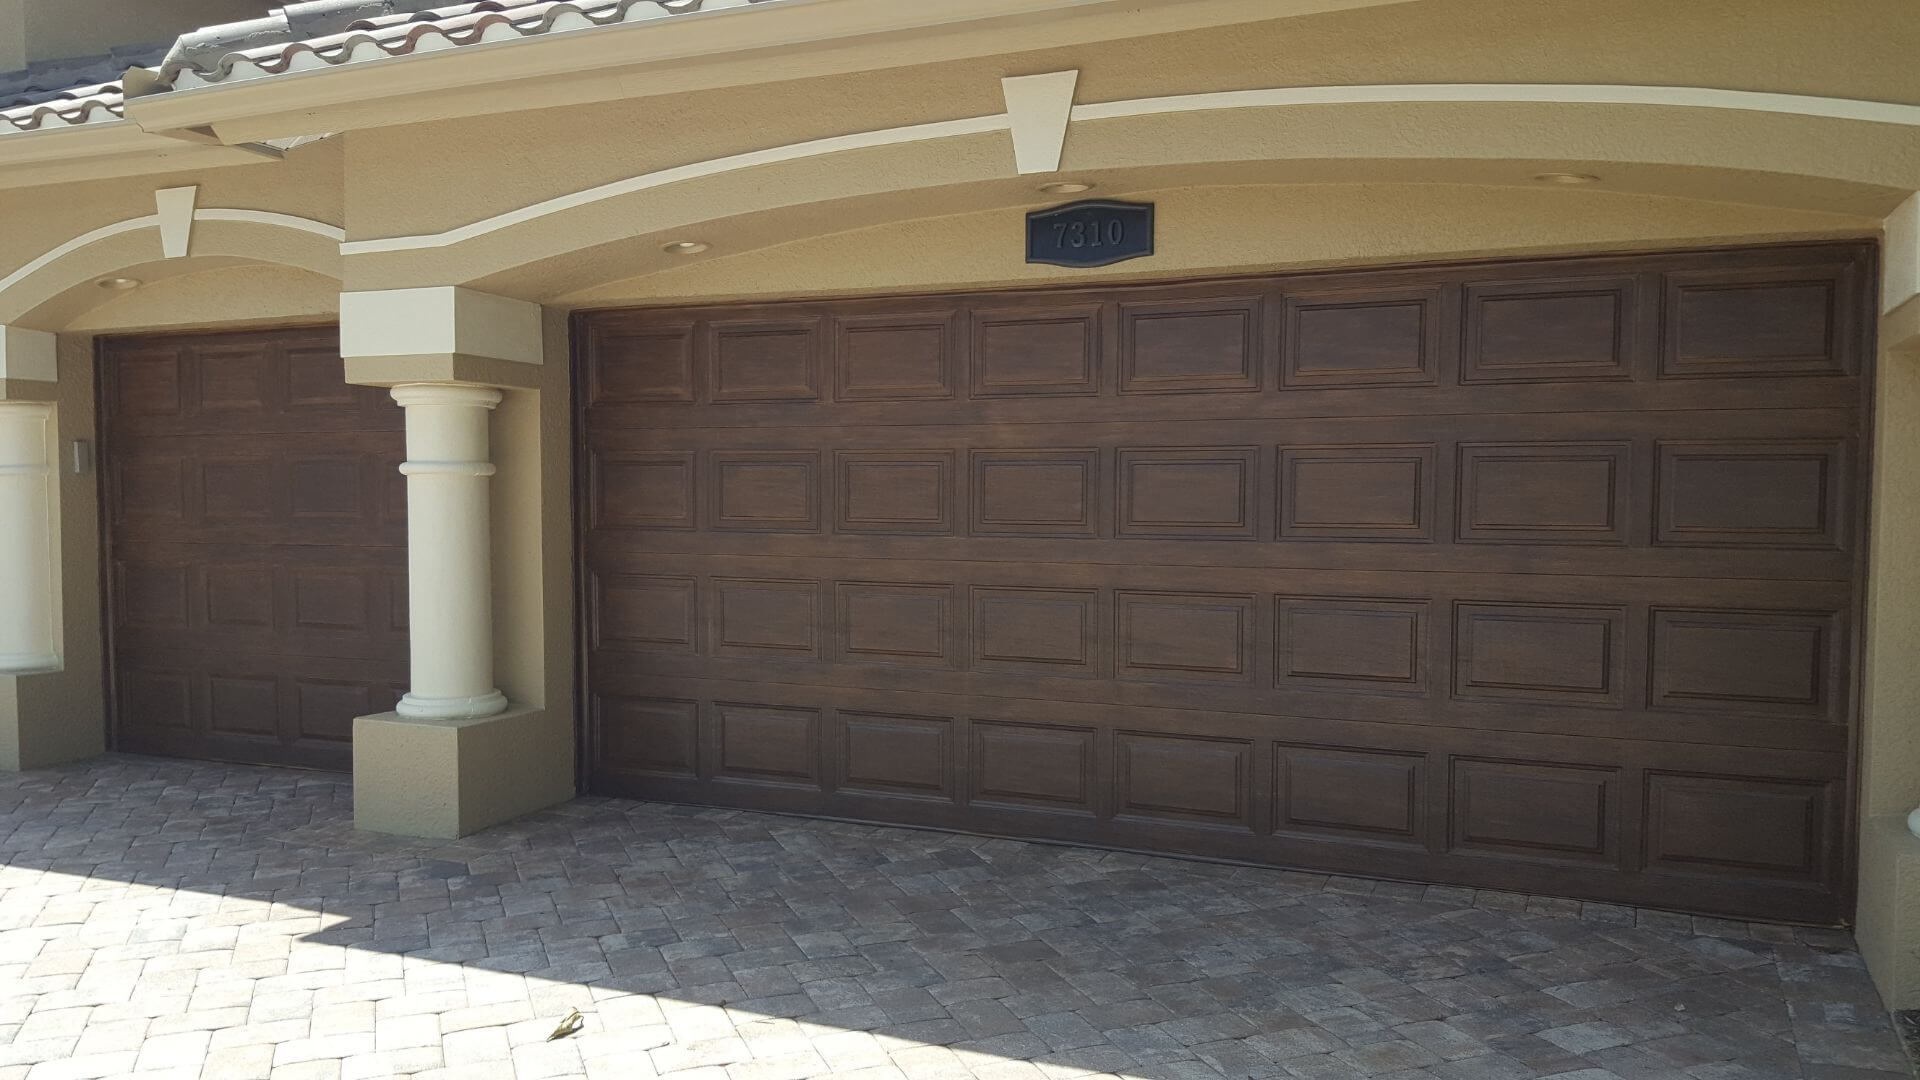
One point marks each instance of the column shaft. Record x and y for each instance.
(26, 540)
(449, 551)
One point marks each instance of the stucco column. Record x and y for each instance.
(27, 641)
(449, 551)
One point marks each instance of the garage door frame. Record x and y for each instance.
(1857, 328)
(106, 455)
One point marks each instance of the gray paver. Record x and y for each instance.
(163, 918)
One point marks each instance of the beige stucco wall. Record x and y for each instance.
(272, 293)
(1888, 909)
(1211, 230)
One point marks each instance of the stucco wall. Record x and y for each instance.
(476, 167)
(306, 185)
(1207, 231)
(1888, 909)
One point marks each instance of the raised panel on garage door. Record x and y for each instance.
(1539, 575)
(256, 547)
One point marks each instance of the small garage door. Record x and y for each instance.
(1537, 576)
(256, 537)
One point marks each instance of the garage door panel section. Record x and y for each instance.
(1529, 575)
(1490, 809)
(256, 521)
(1531, 655)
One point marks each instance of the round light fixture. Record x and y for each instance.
(686, 247)
(1566, 178)
(1066, 187)
(119, 284)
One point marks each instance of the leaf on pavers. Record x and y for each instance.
(573, 1023)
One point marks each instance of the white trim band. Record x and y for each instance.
(28, 663)
(1689, 97)
(448, 468)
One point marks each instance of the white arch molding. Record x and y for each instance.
(155, 221)
(1019, 121)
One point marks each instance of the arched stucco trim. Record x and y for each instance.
(41, 290)
(1686, 97)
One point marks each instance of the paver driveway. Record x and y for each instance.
(186, 920)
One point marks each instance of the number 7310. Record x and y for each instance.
(1086, 234)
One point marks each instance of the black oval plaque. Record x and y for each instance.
(1096, 232)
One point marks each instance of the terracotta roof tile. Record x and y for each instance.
(68, 93)
(299, 37)
(333, 33)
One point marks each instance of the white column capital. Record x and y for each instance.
(408, 395)
(26, 409)
(439, 320)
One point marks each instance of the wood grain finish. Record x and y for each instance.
(1533, 575)
(255, 524)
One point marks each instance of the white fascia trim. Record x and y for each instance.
(27, 354)
(1695, 97)
(943, 129)
(1506, 93)
(439, 320)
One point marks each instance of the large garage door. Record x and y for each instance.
(1537, 576)
(256, 537)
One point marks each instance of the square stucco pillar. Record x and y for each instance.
(43, 721)
(1887, 912)
(480, 737)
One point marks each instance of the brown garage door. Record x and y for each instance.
(256, 536)
(1538, 576)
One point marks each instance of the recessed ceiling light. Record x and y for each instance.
(686, 247)
(1566, 178)
(119, 284)
(1066, 187)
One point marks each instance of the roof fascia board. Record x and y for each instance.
(693, 51)
(83, 140)
(106, 150)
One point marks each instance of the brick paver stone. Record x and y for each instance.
(178, 919)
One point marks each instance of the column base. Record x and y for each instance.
(28, 663)
(1887, 924)
(415, 707)
(50, 717)
(444, 779)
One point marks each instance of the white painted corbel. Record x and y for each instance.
(175, 206)
(1039, 108)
